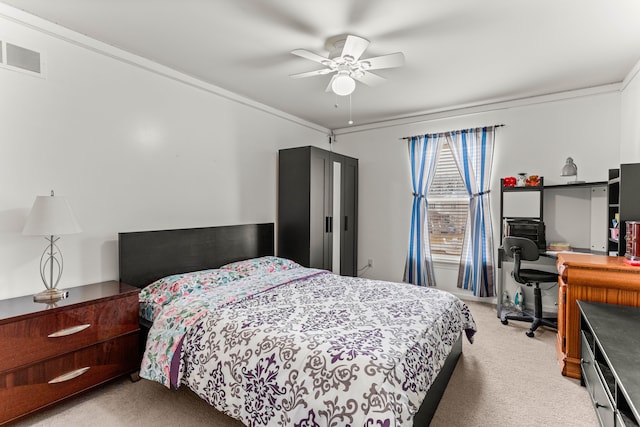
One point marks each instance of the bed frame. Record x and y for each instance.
(146, 256)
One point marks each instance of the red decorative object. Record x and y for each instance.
(632, 237)
(533, 181)
(509, 181)
(632, 262)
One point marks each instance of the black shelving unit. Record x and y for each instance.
(537, 222)
(613, 196)
(624, 187)
(539, 218)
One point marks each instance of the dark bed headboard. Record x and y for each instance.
(146, 256)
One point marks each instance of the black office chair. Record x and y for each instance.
(523, 249)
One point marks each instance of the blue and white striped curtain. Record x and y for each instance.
(472, 150)
(423, 156)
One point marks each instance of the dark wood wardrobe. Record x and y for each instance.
(318, 209)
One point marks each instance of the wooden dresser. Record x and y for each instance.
(594, 278)
(50, 352)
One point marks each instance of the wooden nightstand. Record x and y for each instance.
(50, 353)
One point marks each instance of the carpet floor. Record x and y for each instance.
(503, 379)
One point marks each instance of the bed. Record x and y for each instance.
(269, 342)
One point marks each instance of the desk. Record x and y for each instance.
(547, 262)
(594, 278)
(574, 213)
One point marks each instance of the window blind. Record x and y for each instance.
(448, 206)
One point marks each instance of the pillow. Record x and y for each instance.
(164, 290)
(266, 264)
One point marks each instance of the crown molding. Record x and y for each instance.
(64, 34)
(471, 109)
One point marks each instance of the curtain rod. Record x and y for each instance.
(454, 131)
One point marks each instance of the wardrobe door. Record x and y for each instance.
(349, 216)
(293, 204)
(320, 215)
(336, 214)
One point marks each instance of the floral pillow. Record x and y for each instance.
(266, 264)
(164, 290)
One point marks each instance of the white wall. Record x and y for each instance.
(537, 137)
(630, 120)
(132, 146)
(135, 146)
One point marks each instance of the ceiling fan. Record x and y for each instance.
(344, 60)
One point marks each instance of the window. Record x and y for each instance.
(448, 206)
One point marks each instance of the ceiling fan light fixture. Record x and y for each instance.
(344, 59)
(343, 85)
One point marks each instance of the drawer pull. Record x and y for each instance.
(69, 375)
(69, 331)
(584, 362)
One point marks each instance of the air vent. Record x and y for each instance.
(20, 58)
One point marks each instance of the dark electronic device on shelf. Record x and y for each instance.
(529, 228)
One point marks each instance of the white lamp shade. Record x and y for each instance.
(51, 216)
(343, 85)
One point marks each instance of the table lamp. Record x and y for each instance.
(51, 216)
(571, 169)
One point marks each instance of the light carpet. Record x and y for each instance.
(503, 379)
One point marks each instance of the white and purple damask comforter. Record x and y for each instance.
(271, 343)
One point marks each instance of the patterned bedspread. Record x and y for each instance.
(302, 347)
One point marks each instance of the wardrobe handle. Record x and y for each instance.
(326, 224)
(330, 224)
(345, 223)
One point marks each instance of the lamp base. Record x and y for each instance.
(50, 295)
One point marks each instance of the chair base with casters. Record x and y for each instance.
(536, 318)
(523, 249)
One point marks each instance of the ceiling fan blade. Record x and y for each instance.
(370, 79)
(312, 73)
(354, 46)
(310, 55)
(385, 61)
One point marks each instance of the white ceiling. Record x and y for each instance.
(458, 52)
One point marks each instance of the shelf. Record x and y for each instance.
(614, 181)
(536, 218)
(531, 225)
(577, 185)
(525, 188)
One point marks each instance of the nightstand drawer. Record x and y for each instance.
(28, 388)
(61, 331)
